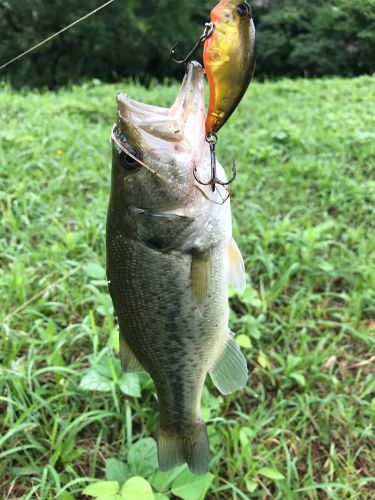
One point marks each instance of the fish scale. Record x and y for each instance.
(175, 326)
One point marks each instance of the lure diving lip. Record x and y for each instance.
(229, 60)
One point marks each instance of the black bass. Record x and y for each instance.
(170, 257)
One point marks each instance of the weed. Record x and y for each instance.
(303, 210)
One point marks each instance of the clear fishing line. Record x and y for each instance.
(31, 49)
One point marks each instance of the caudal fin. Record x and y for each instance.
(192, 448)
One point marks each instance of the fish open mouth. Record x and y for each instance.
(145, 125)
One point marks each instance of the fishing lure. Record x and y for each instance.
(229, 60)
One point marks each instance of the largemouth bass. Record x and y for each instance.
(229, 60)
(170, 257)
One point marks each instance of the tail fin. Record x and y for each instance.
(192, 448)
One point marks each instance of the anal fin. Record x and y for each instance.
(229, 373)
(237, 276)
(129, 362)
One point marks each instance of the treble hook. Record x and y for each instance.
(212, 140)
(208, 30)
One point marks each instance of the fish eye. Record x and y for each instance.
(244, 10)
(127, 161)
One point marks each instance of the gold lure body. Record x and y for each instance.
(229, 60)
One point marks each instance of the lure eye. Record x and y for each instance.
(127, 161)
(244, 10)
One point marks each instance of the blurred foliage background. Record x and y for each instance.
(71, 423)
(132, 38)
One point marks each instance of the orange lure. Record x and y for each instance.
(229, 60)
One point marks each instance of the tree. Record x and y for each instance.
(129, 38)
(132, 38)
(317, 38)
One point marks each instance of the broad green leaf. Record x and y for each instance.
(107, 366)
(137, 488)
(67, 496)
(209, 400)
(101, 488)
(142, 457)
(292, 362)
(93, 381)
(251, 325)
(115, 470)
(95, 271)
(206, 413)
(263, 360)
(105, 304)
(250, 297)
(190, 487)
(161, 481)
(251, 485)
(299, 378)
(271, 473)
(129, 384)
(244, 341)
(160, 496)
(110, 497)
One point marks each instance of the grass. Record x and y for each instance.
(303, 207)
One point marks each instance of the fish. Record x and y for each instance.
(229, 60)
(170, 257)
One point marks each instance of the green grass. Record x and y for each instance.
(303, 206)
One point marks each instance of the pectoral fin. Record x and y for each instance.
(200, 276)
(229, 372)
(129, 362)
(237, 277)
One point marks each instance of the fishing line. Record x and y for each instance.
(154, 172)
(55, 34)
(113, 137)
